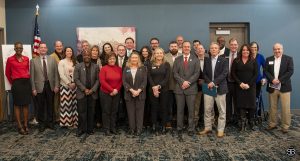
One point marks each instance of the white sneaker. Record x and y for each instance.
(33, 122)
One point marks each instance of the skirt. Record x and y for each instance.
(21, 91)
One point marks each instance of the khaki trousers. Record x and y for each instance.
(285, 108)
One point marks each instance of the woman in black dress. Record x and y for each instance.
(244, 72)
(158, 77)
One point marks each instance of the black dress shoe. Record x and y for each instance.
(191, 133)
(130, 132)
(180, 138)
(163, 131)
(91, 132)
(79, 133)
(107, 133)
(42, 128)
(51, 126)
(138, 132)
(114, 131)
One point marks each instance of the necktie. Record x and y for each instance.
(120, 61)
(232, 58)
(185, 63)
(45, 69)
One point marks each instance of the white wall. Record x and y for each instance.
(2, 17)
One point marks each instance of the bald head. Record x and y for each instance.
(277, 50)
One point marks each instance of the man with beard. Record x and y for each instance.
(170, 58)
(58, 55)
(154, 43)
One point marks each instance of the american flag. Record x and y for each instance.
(36, 37)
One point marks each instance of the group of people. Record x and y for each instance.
(150, 87)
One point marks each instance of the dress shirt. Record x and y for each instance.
(277, 63)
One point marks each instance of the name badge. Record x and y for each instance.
(153, 67)
(271, 62)
(128, 71)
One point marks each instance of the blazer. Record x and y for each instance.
(63, 70)
(191, 74)
(169, 59)
(220, 73)
(37, 73)
(140, 82)
(80, 80)
(286, 71)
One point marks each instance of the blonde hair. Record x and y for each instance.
(128, 64)
(153, 58)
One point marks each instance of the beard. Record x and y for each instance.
(174, 51)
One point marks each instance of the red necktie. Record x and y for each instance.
(185, 63)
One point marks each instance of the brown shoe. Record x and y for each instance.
(168, 125)
(220, 134)
(204, 132)
(271, 128)
(284, 131)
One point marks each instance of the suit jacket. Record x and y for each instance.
(124, 61)
(220, 73)
(169, 59)
(37, 73)
(140, 82)
(286, 71)
(190, 74)
(80, 79)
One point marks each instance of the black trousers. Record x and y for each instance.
(86, 113)
(98, 111)
(109, 110)
(122, 111)
(258, 90)
(231, 109)
(171, 105)
(159, 107)
(45, 101)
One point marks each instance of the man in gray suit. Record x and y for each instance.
(86, 79)
(45, 82)
(170, 58)
(186, 71)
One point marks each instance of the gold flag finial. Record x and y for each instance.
(37, 9)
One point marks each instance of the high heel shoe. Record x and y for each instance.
(26, 130)
(21, 131)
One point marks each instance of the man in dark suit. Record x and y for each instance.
(186, 71)
(86, 79)
(121, 61)
(232, 112)
(44, 82)
(199, 105)
(215, 74)
(279, 70)
(129, 45)
(223, 50)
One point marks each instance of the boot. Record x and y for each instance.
(243, 124)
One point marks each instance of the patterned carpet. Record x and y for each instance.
(62, 144)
